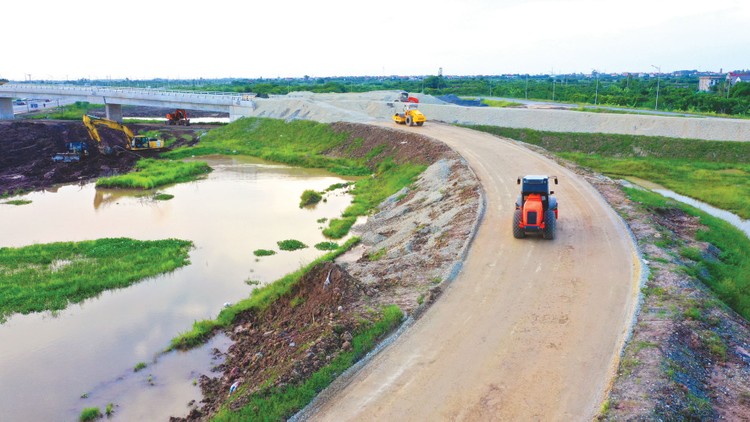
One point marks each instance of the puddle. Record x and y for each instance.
(48, 360)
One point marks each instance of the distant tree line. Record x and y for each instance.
(676, 93)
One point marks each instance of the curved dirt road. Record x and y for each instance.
(530, 329)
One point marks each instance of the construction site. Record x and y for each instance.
(564, 318)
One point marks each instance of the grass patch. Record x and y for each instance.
(163, 197)
(339, 227)
(261, 298)
(264, 252)
(335, 186)
(151, 173)
(290, 245)
(501, 103)
(73, 111)
(139, 366)
(279, 403)
(326, 246)
(50, 276)
(309, 197)
(17, 202)
(90, 414)
(730, 273)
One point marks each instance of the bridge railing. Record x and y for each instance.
(101, 90)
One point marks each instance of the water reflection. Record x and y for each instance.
(48, 361)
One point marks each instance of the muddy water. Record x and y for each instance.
(48, 361)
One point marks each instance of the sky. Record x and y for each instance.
(137, 39)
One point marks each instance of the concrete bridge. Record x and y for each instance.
(237, 105)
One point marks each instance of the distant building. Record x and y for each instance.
(734, 78)
(707, 81)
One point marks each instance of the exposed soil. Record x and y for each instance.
(28, 146)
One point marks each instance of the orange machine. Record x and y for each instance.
(179, 117)
(536, 208)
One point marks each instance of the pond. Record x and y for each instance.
(48, 361)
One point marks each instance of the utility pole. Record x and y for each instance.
(658, 77)
(596, 94)
(527, 86)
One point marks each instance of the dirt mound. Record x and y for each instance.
(290, 340)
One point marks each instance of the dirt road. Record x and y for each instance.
(530, 330)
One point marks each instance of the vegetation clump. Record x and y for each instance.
(139, 366)
(17, 202)
(163, 196)
(151, 173)
(310, 197)
(264, 252)
(290, 245)
(50, 276)
(90, 414)
(327, 246)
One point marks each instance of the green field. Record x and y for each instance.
(48, 277)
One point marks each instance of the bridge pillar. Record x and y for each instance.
(114, 112)
(6, 108)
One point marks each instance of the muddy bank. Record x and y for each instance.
(410, 248)
(28, 146)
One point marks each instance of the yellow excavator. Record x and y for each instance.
(133, 142)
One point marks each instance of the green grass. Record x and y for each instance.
(90, 414)
(290, 245)
(309, 197)
(730, 274)
(163, 196)
(326, 246)
(139, 366)
(50, 276)
(73, 111)
(279, 403)
(264, 252)
(260, 299)
(339, 227)
(500, 103)
(151, 173)
(17, 202)
(714, 172)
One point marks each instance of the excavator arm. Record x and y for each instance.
(133, 142)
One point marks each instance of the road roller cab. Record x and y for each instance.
(536, 208)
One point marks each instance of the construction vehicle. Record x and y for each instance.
(536, 208)
(132, 143)
(179, 118)
(74, 151)
(411, 116)
(405, 98)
